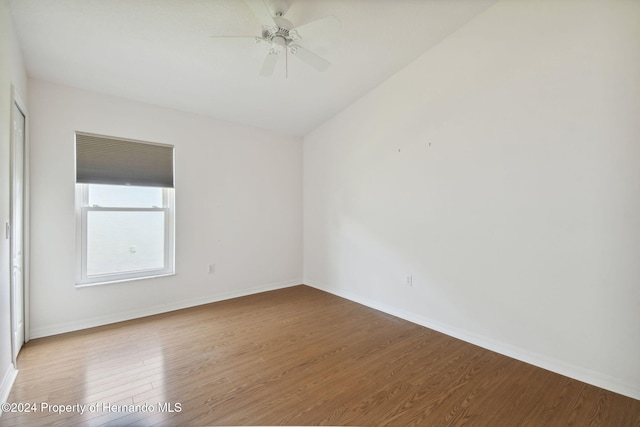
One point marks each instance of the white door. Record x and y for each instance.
(17, 231)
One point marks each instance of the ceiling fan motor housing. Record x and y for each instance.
(281, 35)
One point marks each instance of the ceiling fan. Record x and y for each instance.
(282, 38)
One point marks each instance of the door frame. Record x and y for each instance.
(17, 101)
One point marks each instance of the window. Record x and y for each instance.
(124, 209)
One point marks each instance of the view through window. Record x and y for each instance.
(126, 232)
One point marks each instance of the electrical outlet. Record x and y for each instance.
(212, 268)
(408, 280)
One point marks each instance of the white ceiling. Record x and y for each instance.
(161, 52)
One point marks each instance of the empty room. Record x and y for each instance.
(320, 212)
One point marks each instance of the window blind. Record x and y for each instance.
(116, 161)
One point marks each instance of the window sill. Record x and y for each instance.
(111, 282)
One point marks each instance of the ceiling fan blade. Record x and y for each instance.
(261, 11)
(323, 27)
(309, 57)
(269, 64)
(254, 38)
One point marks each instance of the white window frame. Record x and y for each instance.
(82, 210)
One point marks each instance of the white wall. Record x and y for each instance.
(12, 73)
(238, 205)
(501, 170)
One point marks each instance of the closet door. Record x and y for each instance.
(16, 230)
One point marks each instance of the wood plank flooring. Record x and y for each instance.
(296, 356)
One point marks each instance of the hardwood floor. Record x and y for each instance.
(295, 356)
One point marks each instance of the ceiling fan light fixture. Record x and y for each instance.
(278, 43)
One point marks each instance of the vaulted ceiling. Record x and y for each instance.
(169, 53)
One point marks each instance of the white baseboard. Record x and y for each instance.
(7, 382)
(598, 379)
(61, 328)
